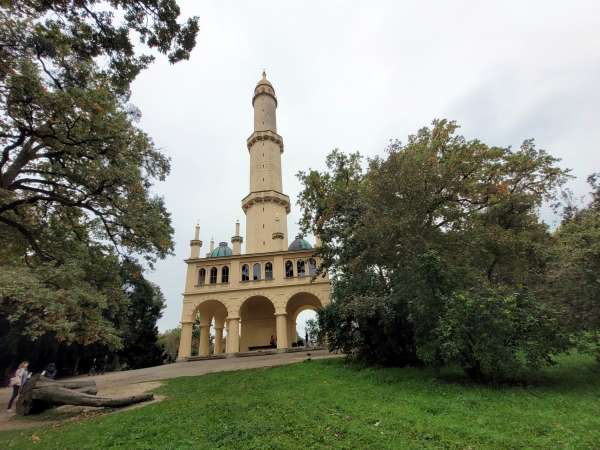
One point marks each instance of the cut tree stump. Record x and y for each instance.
(40, 393)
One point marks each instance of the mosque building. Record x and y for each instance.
(252, 300)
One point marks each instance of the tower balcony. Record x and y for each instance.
(266, 196)
(265, 135)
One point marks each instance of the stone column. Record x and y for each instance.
(233, 335)
(218, 340)
(204, 347)
(185, 341)
(291, 331)
(282, 330)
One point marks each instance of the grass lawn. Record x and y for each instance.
(328, 404)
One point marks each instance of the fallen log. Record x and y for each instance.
(38, 394)
(71, 384)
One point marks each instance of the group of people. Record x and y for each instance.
(20, 377)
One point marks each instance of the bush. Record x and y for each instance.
(370, 329)
(498, 337)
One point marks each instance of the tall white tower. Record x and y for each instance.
(266, 207)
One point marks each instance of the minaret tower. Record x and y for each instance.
(266, 207)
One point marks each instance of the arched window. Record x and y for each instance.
(300, 264)
(201, 277)
(245, 273)
(256, 271)
(225, 274)
(289, 269)
(268, 271)
(213, 275)
(312, 266)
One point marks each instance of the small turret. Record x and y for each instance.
(212, 247)
(236, 241)
(196, 243)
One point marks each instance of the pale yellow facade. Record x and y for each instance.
(252, 300)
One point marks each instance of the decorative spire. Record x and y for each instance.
(264, 74)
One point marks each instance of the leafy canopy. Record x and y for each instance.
(76, 172)
(437, 218)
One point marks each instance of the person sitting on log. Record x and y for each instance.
(50, 371)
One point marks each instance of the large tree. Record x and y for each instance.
(437, 220)
(76, 172)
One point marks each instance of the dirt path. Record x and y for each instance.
(142, 380)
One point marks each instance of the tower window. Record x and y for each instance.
(263, 225)
(268, 271)
(245, 273)
(213, 275)
(289, 269)
(201, 277)
(300, 264)
(225, 274)
(256, 271)
(312, 266)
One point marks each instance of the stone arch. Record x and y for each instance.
(257, 317)
(300, 301)
(212, 314)
(209, 309)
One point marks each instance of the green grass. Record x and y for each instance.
(328, 404)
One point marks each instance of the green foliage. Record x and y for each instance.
(496, 337)
(435, 217)
(169, 342)
(573, 283)
(76, 172)
(145, 305)
(329, 404)
(314, 331)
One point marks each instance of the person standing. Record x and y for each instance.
(18, 380)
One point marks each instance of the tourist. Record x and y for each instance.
(18, 380)
(50, 371)
(273, 342)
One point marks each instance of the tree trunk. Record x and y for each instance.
(40, 393)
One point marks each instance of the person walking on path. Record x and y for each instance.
(18, 380)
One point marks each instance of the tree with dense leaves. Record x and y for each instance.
(144, 307)
(169, 342)
(437, 217)
(76, 171)
(573, 282)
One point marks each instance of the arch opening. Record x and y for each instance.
(300, 308)
(258, 328)
(208, 317)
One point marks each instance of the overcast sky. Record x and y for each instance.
(353, 75)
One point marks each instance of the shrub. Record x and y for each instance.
(498, 337)
(370, 329)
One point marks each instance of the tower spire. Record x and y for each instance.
(266, 199)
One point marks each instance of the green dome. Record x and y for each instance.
(299, 244)
(220, 251)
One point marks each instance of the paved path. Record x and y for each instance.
(114, 382)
